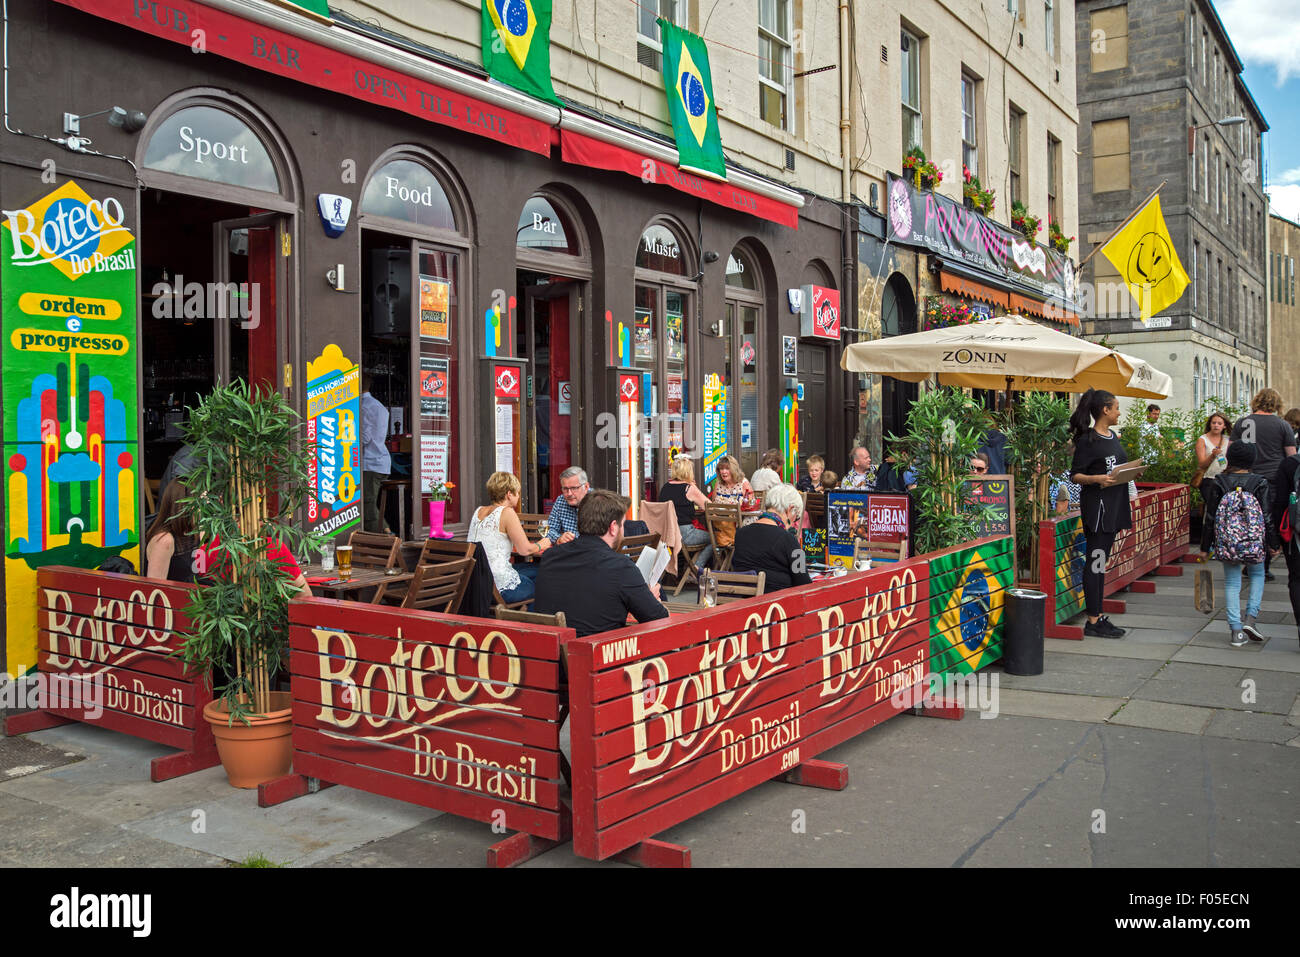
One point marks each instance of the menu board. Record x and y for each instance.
(998, 491)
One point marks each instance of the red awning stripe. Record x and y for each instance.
(584, 150)
(296, 58)
(972, 290)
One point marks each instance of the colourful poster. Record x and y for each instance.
(435, 296)
(673, 330)
(434, 373)
(333, 423)
(846, 521)
(715, 425)
(68, 272)
(645, 343)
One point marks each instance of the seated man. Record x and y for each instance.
(562, 526)
(862, 474)
(595, 586)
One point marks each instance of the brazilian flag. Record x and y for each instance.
(689, 85)
(966, 591)
(517, 45)
(1069, 568)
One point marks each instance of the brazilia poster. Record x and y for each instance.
(71, 452)
(333, 423)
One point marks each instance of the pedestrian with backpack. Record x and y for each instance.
(1286, 515)
(1237, 508)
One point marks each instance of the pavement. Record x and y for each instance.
(1167, 748)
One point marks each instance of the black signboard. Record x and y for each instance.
(998, 491)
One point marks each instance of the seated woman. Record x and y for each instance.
(769, 544)
(685, 495)
(170, 544)
(730, 489)
(497, 526)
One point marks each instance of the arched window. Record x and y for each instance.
(659, 341)
(408, 191)
(545, 227)
(209, 143)
(1196, 382)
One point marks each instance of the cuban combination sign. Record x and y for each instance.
(68, 272)
(333, 423)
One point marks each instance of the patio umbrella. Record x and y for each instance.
(1148, 382)
(1006, 352)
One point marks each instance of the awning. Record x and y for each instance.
(332, 57)
(587, 150)
(1035, 307)
(972, 289)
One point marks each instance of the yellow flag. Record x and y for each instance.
(1144, 256)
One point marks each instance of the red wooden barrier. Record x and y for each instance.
(1159, 537)
(674, 717)
(106, 658)
(453, 713)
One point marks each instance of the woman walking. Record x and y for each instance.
(1212, 449)
(1103, 499)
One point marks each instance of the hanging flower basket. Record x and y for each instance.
(923, 173)
(1024, 223)
(941, 313)
(1056, 236)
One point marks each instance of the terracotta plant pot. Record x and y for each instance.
(256, 752)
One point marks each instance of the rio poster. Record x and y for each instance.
(334, 424)
(68, 271)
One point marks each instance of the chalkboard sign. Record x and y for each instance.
(814, 545)
(998, 491)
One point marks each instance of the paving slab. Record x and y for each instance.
(1066, 707)
(1250, 726)
(1229, 656)
(1164, 717)
(1108, 648)
(1222, 687)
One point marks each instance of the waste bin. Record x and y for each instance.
(1022, 644)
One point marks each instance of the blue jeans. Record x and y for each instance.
(698, 536)
(1232, 582)
(527, 584)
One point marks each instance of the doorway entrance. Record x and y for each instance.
(212, 288)
(897, 318)
(812, 410)
(550, 314)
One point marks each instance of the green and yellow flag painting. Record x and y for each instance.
(1144, 256)
(966, 590)
(517, 45)
(689, 85)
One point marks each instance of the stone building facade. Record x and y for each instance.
(1283, 313)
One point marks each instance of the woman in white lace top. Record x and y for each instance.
(497, 527)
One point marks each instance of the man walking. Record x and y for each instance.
(562, 524)
(376, 463)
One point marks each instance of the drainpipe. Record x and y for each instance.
(846, 64)
(848, 255)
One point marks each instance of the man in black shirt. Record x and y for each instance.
(595, 586)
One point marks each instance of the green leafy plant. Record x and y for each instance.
(1060, 242)
(260, 860)
(924, 174)
(944, 428)
(1021, 220)
(248, 482)
(1038, 449)
(1169, 450)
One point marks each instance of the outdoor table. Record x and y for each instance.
(362, 578)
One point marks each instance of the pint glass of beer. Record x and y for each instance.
(343, 556)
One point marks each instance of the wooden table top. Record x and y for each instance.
(362, 577)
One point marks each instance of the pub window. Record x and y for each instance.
(545, 228)
(406, 190)
(649, 46)
(203, 142)
(775, 62)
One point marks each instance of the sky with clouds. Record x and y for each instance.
(1266, 34)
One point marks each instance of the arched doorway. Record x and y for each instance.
(417, 335)
(814, 362)
(216, 226)
(664, 312)
(897, 318)
(742, 363)
(553, 257)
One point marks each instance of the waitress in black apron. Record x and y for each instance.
(1103, 500)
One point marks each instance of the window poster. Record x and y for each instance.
(433, 460)
(435, 296)
(434, 385)
(674, 393)
(789, 355)
(333, 416)
(676, 346)
(645, 343)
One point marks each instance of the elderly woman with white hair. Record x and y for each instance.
(770, 543)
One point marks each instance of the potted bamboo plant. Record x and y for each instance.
(248, 482)
(1038, 452)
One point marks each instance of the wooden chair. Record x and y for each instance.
(632, 545)
(735, 586)
(506, 613)
(532, 524)
(717, 516)
(879, 551)
(445, 550)
(815, 505)
(512, 605)
(439, 587)
(685, 570)
(374, 550)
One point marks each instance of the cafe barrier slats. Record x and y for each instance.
(454, 713)
(1159, 536)
(106, 650)
(675, 717)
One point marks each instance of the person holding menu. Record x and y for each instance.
(1103, 498)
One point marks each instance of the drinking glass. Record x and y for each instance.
(708, 591)
(544, 528)
(343, 554)
(327, 558)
